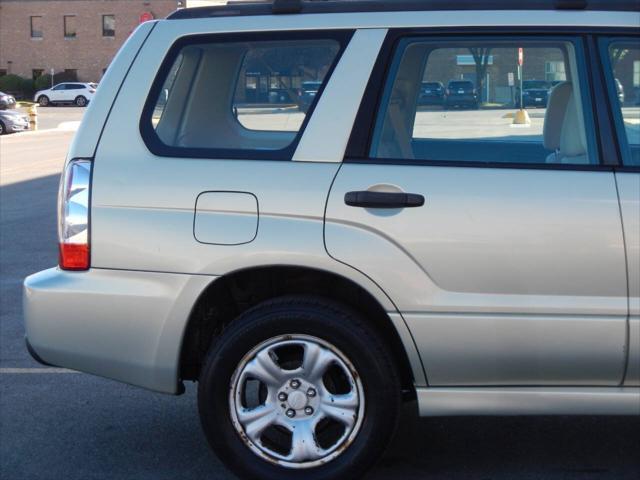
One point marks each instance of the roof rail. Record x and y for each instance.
(286, 6)
(571, 4)
(270, 7)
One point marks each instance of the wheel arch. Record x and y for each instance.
(226, 297)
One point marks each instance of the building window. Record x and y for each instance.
(554, 71)
(36, 72)
(69, 26)
(36, 27)
(71, 74)
(108, 25)
(3, 72)
(470, 60)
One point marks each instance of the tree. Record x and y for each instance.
(617, 54)
(44, 82)
(481, 59)
(308, 62)
(16, 85)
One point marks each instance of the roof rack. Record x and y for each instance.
(279, 7)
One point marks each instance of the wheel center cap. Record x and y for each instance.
(297, 400)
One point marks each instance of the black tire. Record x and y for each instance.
(333, 323)
(43, 101)
(80, 101)
(3, 129)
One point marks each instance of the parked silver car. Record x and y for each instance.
(7, 101)
(13, 121)
(312, 268)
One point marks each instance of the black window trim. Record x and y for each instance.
(359, 144)
(157, 147)
(601, 44)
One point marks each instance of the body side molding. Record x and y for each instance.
(460, 401)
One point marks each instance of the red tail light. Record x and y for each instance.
(73, 216)
(74, 257)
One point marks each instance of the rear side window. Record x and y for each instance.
(623, 74)
(491, 109)
(235, 97)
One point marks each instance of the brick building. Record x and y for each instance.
(79, 36)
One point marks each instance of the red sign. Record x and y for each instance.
(146, 16)
(520, 56)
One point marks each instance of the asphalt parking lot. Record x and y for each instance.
(57, 424)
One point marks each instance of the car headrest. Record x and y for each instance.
(572, 142)
(554, 116)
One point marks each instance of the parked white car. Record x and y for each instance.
(68, 92)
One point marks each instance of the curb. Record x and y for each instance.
(62, 127)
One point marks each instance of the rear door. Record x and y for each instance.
(72, 91)
(621, 60)
(498, 236)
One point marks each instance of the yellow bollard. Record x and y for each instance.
(33, 117)
(521, 118)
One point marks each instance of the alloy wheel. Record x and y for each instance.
(296, 400)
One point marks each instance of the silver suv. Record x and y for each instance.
(313, 267)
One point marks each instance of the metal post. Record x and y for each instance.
(520, 74)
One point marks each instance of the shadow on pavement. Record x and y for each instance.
(561, 447)
(28, 243)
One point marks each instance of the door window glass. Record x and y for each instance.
(486, 100)
(239, 96)
(624, 72)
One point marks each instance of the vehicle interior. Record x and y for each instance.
(557, 138)
(196, 104)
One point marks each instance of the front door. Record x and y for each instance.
(57, 93)
(497, 235)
